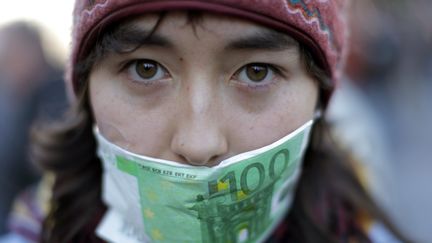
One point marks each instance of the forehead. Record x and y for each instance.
(199, 21)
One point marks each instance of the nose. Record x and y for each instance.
(199, 145)
(199, 138)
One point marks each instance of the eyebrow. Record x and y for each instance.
(263, 40)
(129, 38)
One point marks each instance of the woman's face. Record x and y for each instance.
(200, 93)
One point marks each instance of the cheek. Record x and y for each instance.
(289, 110)
(125, 121)
(107, 111)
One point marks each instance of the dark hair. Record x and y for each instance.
(328, 192)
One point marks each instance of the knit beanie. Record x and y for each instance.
(318, 24)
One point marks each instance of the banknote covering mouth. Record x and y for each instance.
(246, 197)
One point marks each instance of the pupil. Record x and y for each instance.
(146, 69)
(256, 73)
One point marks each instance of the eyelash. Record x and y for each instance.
(126, 66)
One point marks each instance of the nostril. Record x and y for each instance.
(199, 160)
(182, 159)
(213, 161)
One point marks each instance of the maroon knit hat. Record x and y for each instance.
(319, 24)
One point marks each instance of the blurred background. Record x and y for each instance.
(382, 110)
(34, 38)
(384, 107)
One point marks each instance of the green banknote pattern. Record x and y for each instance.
(239, 203)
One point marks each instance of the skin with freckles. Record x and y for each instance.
(198, 96)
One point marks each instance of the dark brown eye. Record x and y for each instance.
(256, 72)
(146, 69)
